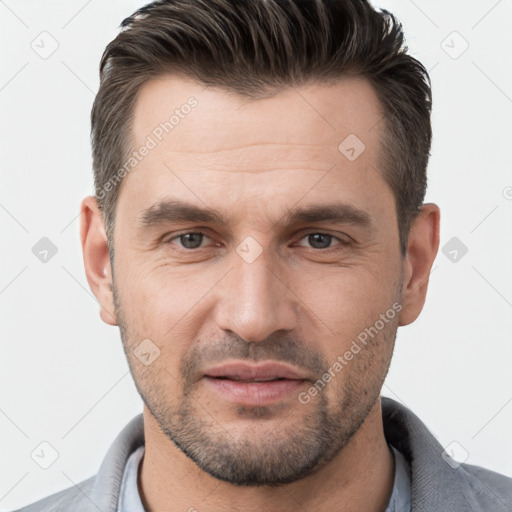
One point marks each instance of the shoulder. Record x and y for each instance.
(438, 481)
(74, 498)
(100, 492)
(485, 485)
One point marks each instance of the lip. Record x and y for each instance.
(254, 385)
(237, 370)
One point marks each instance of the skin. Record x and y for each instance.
(253, 162)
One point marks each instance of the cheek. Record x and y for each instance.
(356, 342)
(348, 299)
(165, 304)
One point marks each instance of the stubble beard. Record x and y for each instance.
(288, 447)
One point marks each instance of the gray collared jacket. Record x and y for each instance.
(439, 484)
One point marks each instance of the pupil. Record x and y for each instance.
(320, 241)
(191, 240)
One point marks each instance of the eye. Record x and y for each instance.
(192, 240)
(321, 240)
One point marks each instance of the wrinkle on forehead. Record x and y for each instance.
(258, 157)
(291, 140)
(316, 115)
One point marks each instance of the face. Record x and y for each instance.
(257, 265)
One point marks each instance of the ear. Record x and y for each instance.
(422, 249)
(96, 258)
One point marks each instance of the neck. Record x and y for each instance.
(360, 477)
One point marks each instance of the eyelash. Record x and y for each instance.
(342, 243)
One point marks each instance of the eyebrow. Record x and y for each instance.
(338, 212)
(175, 210)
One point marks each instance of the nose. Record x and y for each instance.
(255, 300)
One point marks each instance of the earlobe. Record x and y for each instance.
(96, 258)
(422, 249)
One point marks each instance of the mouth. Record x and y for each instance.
(262, 372)
(259, 379)
(262, 384)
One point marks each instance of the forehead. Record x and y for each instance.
(216, 147)
(315, 115)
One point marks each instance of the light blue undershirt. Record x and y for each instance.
(400, 500)
(129, 498)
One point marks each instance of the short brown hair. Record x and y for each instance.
(257, 47)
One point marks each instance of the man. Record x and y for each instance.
(258, 234)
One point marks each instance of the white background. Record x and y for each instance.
(64, 377)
